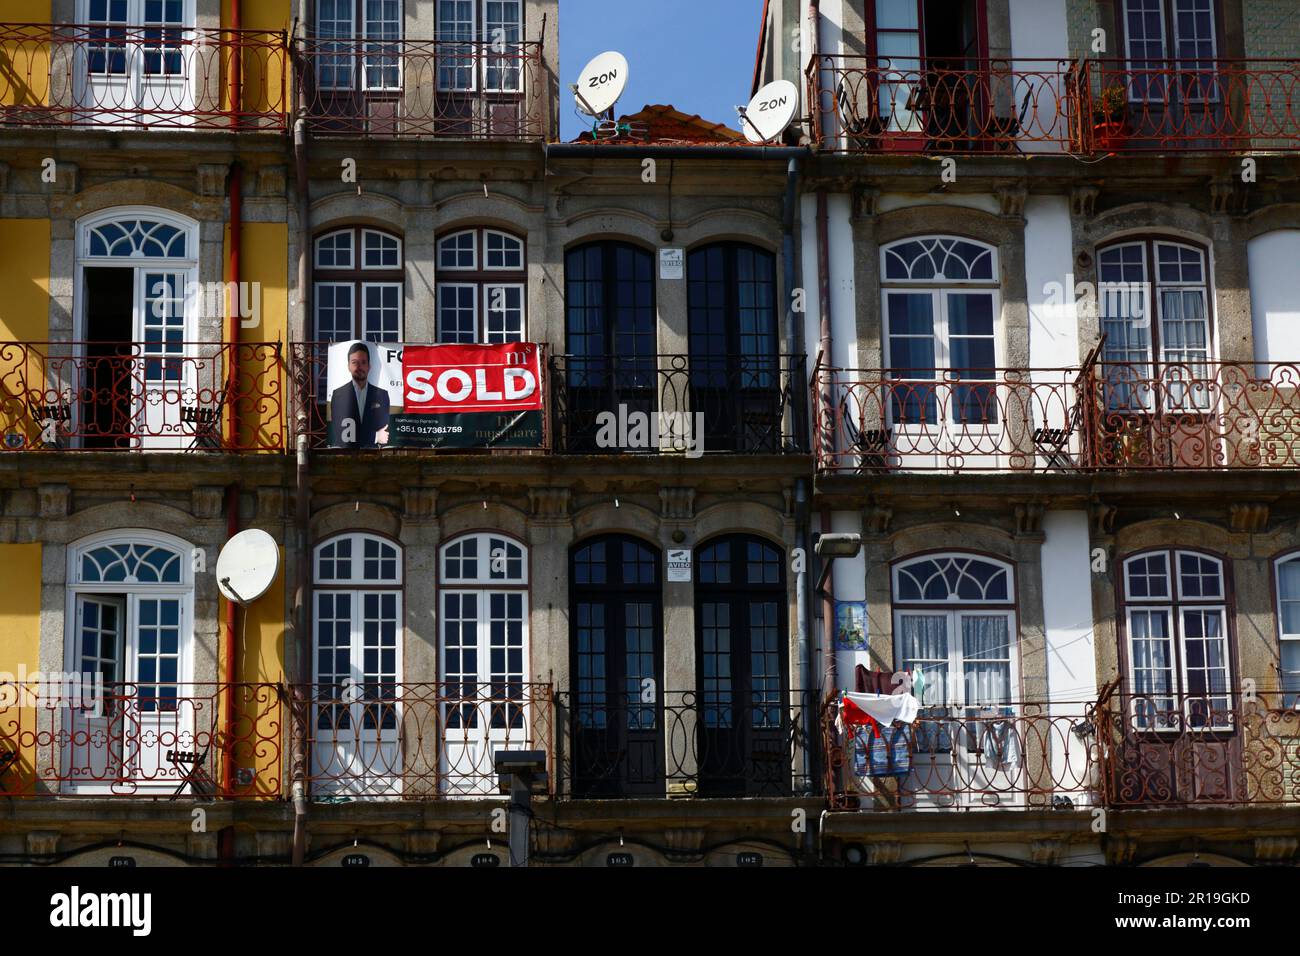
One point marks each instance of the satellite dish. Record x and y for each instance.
(601, 83)
(247, 565)
(770, 112)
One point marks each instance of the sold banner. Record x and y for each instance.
(470, 396)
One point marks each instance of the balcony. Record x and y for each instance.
(127, 78)
(678, 404)
(1084, 107)
(872, 105)
(707, 744)
(141, 396)
(422, 88)
(1105, 417)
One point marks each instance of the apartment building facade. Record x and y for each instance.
(1077, 524)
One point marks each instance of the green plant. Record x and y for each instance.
(1113, 103)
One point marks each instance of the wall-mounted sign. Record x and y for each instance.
(749, 860)
(620, 860)
(120, 861)
(679, 565)
(851, 625)
(355, 859)
(484, 860)
(672, 263)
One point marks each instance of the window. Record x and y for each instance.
(357, 629)
(940, 314)
(482, 287)
(484, 665)
(130, 622)
(380, 37)
(1176, 617)
(1165, 35)
(954, 619)
(1288, 626)
(1161, 360)
(135, 37)
(359, 291)
(480, 42)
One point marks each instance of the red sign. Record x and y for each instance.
(444, 379)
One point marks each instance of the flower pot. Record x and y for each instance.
(1109, 134)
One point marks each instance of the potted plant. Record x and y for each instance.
(1110, 124)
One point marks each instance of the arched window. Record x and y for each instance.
(1178, 656)
(742, 667)
(1288, 625)
(482, 287)
(359, 276)
(954, 622)
(940, 307)
(734, 346)
(616, 667)
(1155, 313)
(484, 655)
(610, 337)
(130, 616)
(357, 664)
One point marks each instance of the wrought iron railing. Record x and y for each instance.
(715, 743)
(165, 396)
(879, 104)
(422, 88)
(142, 76)
(1229, 748)
(1006, 756)
(678, 404)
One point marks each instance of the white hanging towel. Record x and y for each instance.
(884, 709)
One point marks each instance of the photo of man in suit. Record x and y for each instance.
(360, 402)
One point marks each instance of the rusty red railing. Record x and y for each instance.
(172, 396)
(71, 736)
(1193, 105)
(1106, 416)
(422, 88)
(870, 104)
(1010, 756)
(142, 77)
(1183, 749)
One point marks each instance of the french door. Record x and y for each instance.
(616, 654)
(118, 742)
(136, 61)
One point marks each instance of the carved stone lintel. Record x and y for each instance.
(1103, 518)
(270, 504)
(1011, 199)
(677, 504)
(1047, 852)
(684, 841)
(878, 518)
(1276, 849)
(55, 501)
(884, 854)
(1226, 199)
(552, 841)
(65, 178)
(271, 181)
(211, 179)
(865, 201)
(1083, 201)
(1120, 850)
(422, 841)
(549, 503)
(203, 846)
(1029, 518)
(43, 842)
(419, 503)
(205, 502)
(1249, 517)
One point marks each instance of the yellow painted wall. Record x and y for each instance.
(20, 639)
(24, 317)
(264, 62)
(262, 716)
(24, 58)
(263, 375)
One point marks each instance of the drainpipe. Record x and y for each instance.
(232, 666)
(232, 439)
(236, 66)
(301, 673)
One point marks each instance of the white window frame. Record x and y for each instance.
(474, 287)
(1173, 603)
(487, 267)
(369, 335)
(1290, 680)
(352, 251)
(362, 264)
(485, 335)
(316, 307)
(474, 250)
